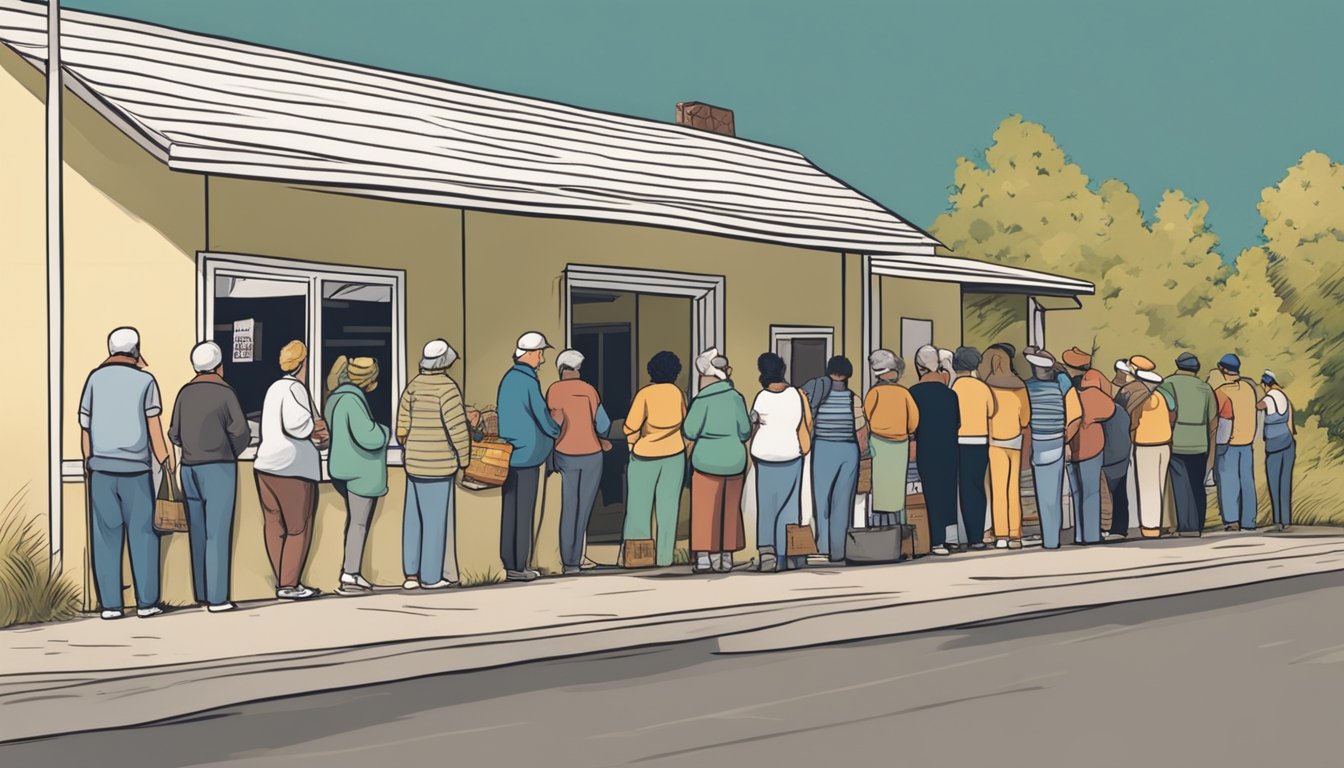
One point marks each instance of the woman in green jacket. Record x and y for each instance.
(718, 424)
(357, 459)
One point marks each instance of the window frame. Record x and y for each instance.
(791, 333)
(211, 264)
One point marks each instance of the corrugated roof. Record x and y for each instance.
(980, 275)
(208, 105)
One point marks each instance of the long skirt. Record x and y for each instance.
(891, 468)
(716, 513)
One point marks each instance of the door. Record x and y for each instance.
(608, 352)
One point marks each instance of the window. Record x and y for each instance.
(805, 349)
(253, 306)
(914, 334)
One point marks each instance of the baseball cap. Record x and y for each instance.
(123, 341)
(206, 357)
(530, 342)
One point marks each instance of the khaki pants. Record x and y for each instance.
(1149, 485)
(1005, 491)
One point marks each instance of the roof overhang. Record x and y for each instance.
(985, 277)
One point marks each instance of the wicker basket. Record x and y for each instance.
(489, 463)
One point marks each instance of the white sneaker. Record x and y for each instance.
(440, 584)
(296, 593)
(532, 573)
(410, 584)
(1001, 544)
(940, 551)
(145, 613)
(220, 607)
(355, 581)
(519, 575)
(110, 615)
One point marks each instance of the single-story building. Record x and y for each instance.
(214, 187)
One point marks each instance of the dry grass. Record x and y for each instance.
(1318, 482)
(481, 578)
(681, 556)
(28, 592)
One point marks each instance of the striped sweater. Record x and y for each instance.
(432, 426)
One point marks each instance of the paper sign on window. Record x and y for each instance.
(243, 341)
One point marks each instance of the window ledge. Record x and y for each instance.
(72, 470)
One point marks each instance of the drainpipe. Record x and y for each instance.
(55, 284)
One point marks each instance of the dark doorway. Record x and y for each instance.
(608, 352)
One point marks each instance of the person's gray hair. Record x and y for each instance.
(884, 361)
(966, 359)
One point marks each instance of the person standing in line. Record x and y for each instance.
(432, 427)
(288, 468)
(357, 459)
(841, 438)
(121, 440)
(525, 423)
(945, 366)
(892, 418)
(1086, 436)
(782, 435)
(1150, 420)
(1117, 452)
(1236, 470)
(1078, 362)
(719, 426)
(657, 469)
(936, 446)
(577, 408)
(976, 405)
(1053, 407)
(209, 426)
(1280, 435)
(1012, 416)
(1192, 441)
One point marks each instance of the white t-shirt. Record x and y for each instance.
(286, 425)
(780, 413)
(1275, 402)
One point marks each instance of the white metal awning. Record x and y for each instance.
(980, 275)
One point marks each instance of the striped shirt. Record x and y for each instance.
(839, 417)
(432, 426)
(1047, 409)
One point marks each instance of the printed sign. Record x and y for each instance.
(243, 339)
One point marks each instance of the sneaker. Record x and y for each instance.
(1188, 534)
(1108, 536)
(1001, 544)
(410, 583)
(572, 570)
(220, 607)
(440, 584)
(145, 613)
(526, 575)
(532, 573)
(355, 581)
(1015, 544)
(724, 562)
(940, 551)
(766, 563)
(296, 593)
(110, 614)
(979, 546)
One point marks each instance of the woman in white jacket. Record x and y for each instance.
(782, 431)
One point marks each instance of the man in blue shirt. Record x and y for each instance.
(122, 444)
(525, 423)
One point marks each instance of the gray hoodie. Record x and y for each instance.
(208, 422)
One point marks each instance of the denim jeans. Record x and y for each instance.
(778, 503)
(1085, 480)
(1279, 471)
(835, 481)
(580, 479)
(123, 509)
(1236, 486)
(428, 543)
(1047, 469)
(209, 491)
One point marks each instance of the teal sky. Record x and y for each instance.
(1214, 97)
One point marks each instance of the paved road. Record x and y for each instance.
(1239, 677)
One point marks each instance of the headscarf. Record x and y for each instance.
(292, 356)
(711, 363)
(1000, 370)
(339, 374)
(363, 372)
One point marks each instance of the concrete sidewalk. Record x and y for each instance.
(91, 674)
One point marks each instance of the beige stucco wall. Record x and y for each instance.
(923, 300)
(23, 455)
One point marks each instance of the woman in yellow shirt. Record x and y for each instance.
(657, 470)
(1012, 414)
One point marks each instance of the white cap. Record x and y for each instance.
(1150, 376)
(570, 358)
(123, 341)
(1123, 366)
(437, 354)
(530, 342)
(435, 349)
(206, 357)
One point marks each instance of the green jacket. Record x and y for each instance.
(1195, 408)
(718, 424)
(358, 453)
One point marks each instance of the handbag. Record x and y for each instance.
(799, 541)
(170, 514)
(865, 485)
(489, 466)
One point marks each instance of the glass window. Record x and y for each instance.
(277, 312)
(357, 322)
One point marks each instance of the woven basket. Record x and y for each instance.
(489, 462)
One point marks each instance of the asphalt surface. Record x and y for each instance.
(1248, 676)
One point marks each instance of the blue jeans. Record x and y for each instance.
(123, 509)
(1085, 479)
(427, 528)
(835, 482)
(1047, 470)
(1279, 478)
(1236, 485)
(778, 503)
(209, 491)
(580, 480)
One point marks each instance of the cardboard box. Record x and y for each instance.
(917, 514)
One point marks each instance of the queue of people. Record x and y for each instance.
(967, 425)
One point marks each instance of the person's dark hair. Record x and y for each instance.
(840, 366)
(772, 368)
(966, 359)
(664, 367)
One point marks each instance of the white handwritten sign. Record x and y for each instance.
(243, 341)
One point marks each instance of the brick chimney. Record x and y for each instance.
(705, 117)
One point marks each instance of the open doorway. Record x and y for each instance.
(617, 331)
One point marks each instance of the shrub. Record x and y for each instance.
(29, 593)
